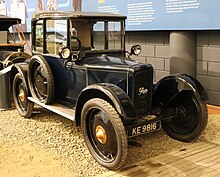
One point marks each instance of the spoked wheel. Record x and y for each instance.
(20, 94)
(40, 80)
(104, 133)
(190, 117)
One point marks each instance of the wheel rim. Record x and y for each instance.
(102, 135)
(21, 95)
(39, 81)
(186, 116)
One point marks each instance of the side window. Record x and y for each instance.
(99, 35)
(39, 36)
(56, 35)
(82, 30)
(114, 35)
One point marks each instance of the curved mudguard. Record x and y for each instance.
(19, 56)
(109, 92)
(19, 68)
(170, 86)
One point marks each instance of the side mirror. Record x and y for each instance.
(135, 49)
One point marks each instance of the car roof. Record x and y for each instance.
(6, 22)
(74, 14)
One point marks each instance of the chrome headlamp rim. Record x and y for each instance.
(65, 53)
(136, 49)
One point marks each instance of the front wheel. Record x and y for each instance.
(104, 133)
(191, 117)
(20, 94)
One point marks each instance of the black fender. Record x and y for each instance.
(170, 86)
(111, 93)
(19, 68)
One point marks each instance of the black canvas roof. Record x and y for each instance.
(73, 14)
(6, 22)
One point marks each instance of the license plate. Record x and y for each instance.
(144, 128)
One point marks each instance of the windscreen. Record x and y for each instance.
(99, 35)
(107, 35)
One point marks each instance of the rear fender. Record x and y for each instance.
(19, 68)
(16, 57)
(109, 92)
(170, 86)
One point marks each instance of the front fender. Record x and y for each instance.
(170, 86)
(109, 92)
(198, 86)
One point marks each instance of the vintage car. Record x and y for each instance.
(11, 48)
(88, 76)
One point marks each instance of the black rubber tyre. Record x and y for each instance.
(20, 94)
(40, 80)
(191, 117)
(104, 133)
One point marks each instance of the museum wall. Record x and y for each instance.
(156, 51)
(208, 63)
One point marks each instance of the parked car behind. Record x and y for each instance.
(12, 40)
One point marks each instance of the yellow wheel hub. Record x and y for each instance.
(21, 95)
(101, 134)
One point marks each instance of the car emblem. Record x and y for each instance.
(142, 91)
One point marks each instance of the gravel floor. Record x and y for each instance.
(47, 132)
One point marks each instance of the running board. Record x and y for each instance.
(57, 108)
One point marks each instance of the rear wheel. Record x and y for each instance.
(104, 133)
(20, 93)
(40, 80)
(190, 118)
